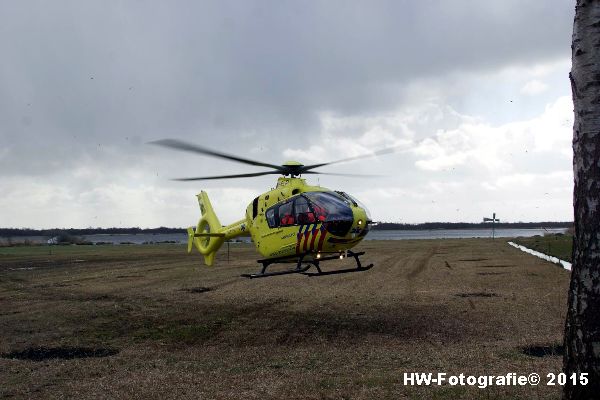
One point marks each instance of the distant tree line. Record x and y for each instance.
(8, 232)
(468, 225)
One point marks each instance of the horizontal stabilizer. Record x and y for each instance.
(209, 235)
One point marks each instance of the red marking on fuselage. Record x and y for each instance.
(298, 240)
(322, 238)
(306, 235)
(314, 236)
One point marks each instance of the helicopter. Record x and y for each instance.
(295, 222)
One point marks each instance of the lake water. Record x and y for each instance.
(373, 235)
(457, 233)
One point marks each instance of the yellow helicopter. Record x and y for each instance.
(292, 223)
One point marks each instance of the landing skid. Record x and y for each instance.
(303, 269)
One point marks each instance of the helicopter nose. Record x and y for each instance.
(367, 216)
(339, 227)
(363, 219)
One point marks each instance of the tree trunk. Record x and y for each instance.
(582, 327)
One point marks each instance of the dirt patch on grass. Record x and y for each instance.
(477, 294)
(199, 289)
(420, 263)
(62, 353)
(413, 323)
(544, 350)
(180, 333)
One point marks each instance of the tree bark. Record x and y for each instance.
(582, 327)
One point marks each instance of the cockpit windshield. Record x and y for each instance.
(309, 208)
(330, 207)
(356, 202)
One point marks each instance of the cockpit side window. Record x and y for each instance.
(286, 216)
(271, 220)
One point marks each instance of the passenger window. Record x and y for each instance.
(286, 217)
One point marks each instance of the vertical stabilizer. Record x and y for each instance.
(207, 237)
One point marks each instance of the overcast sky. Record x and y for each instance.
(474, 94)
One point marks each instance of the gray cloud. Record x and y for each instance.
(86, 84)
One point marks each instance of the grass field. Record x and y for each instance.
(559, 246)
(150, 322)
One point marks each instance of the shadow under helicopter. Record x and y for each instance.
(273, 322)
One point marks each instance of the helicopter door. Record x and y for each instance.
(303, 213)
(280, 239)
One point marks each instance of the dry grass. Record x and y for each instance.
(185, 331)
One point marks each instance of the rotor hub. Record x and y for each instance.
(292, 168)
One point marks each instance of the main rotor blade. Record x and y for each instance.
(387, 150)
(336, 174)
(205, 178)
(180, 145)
